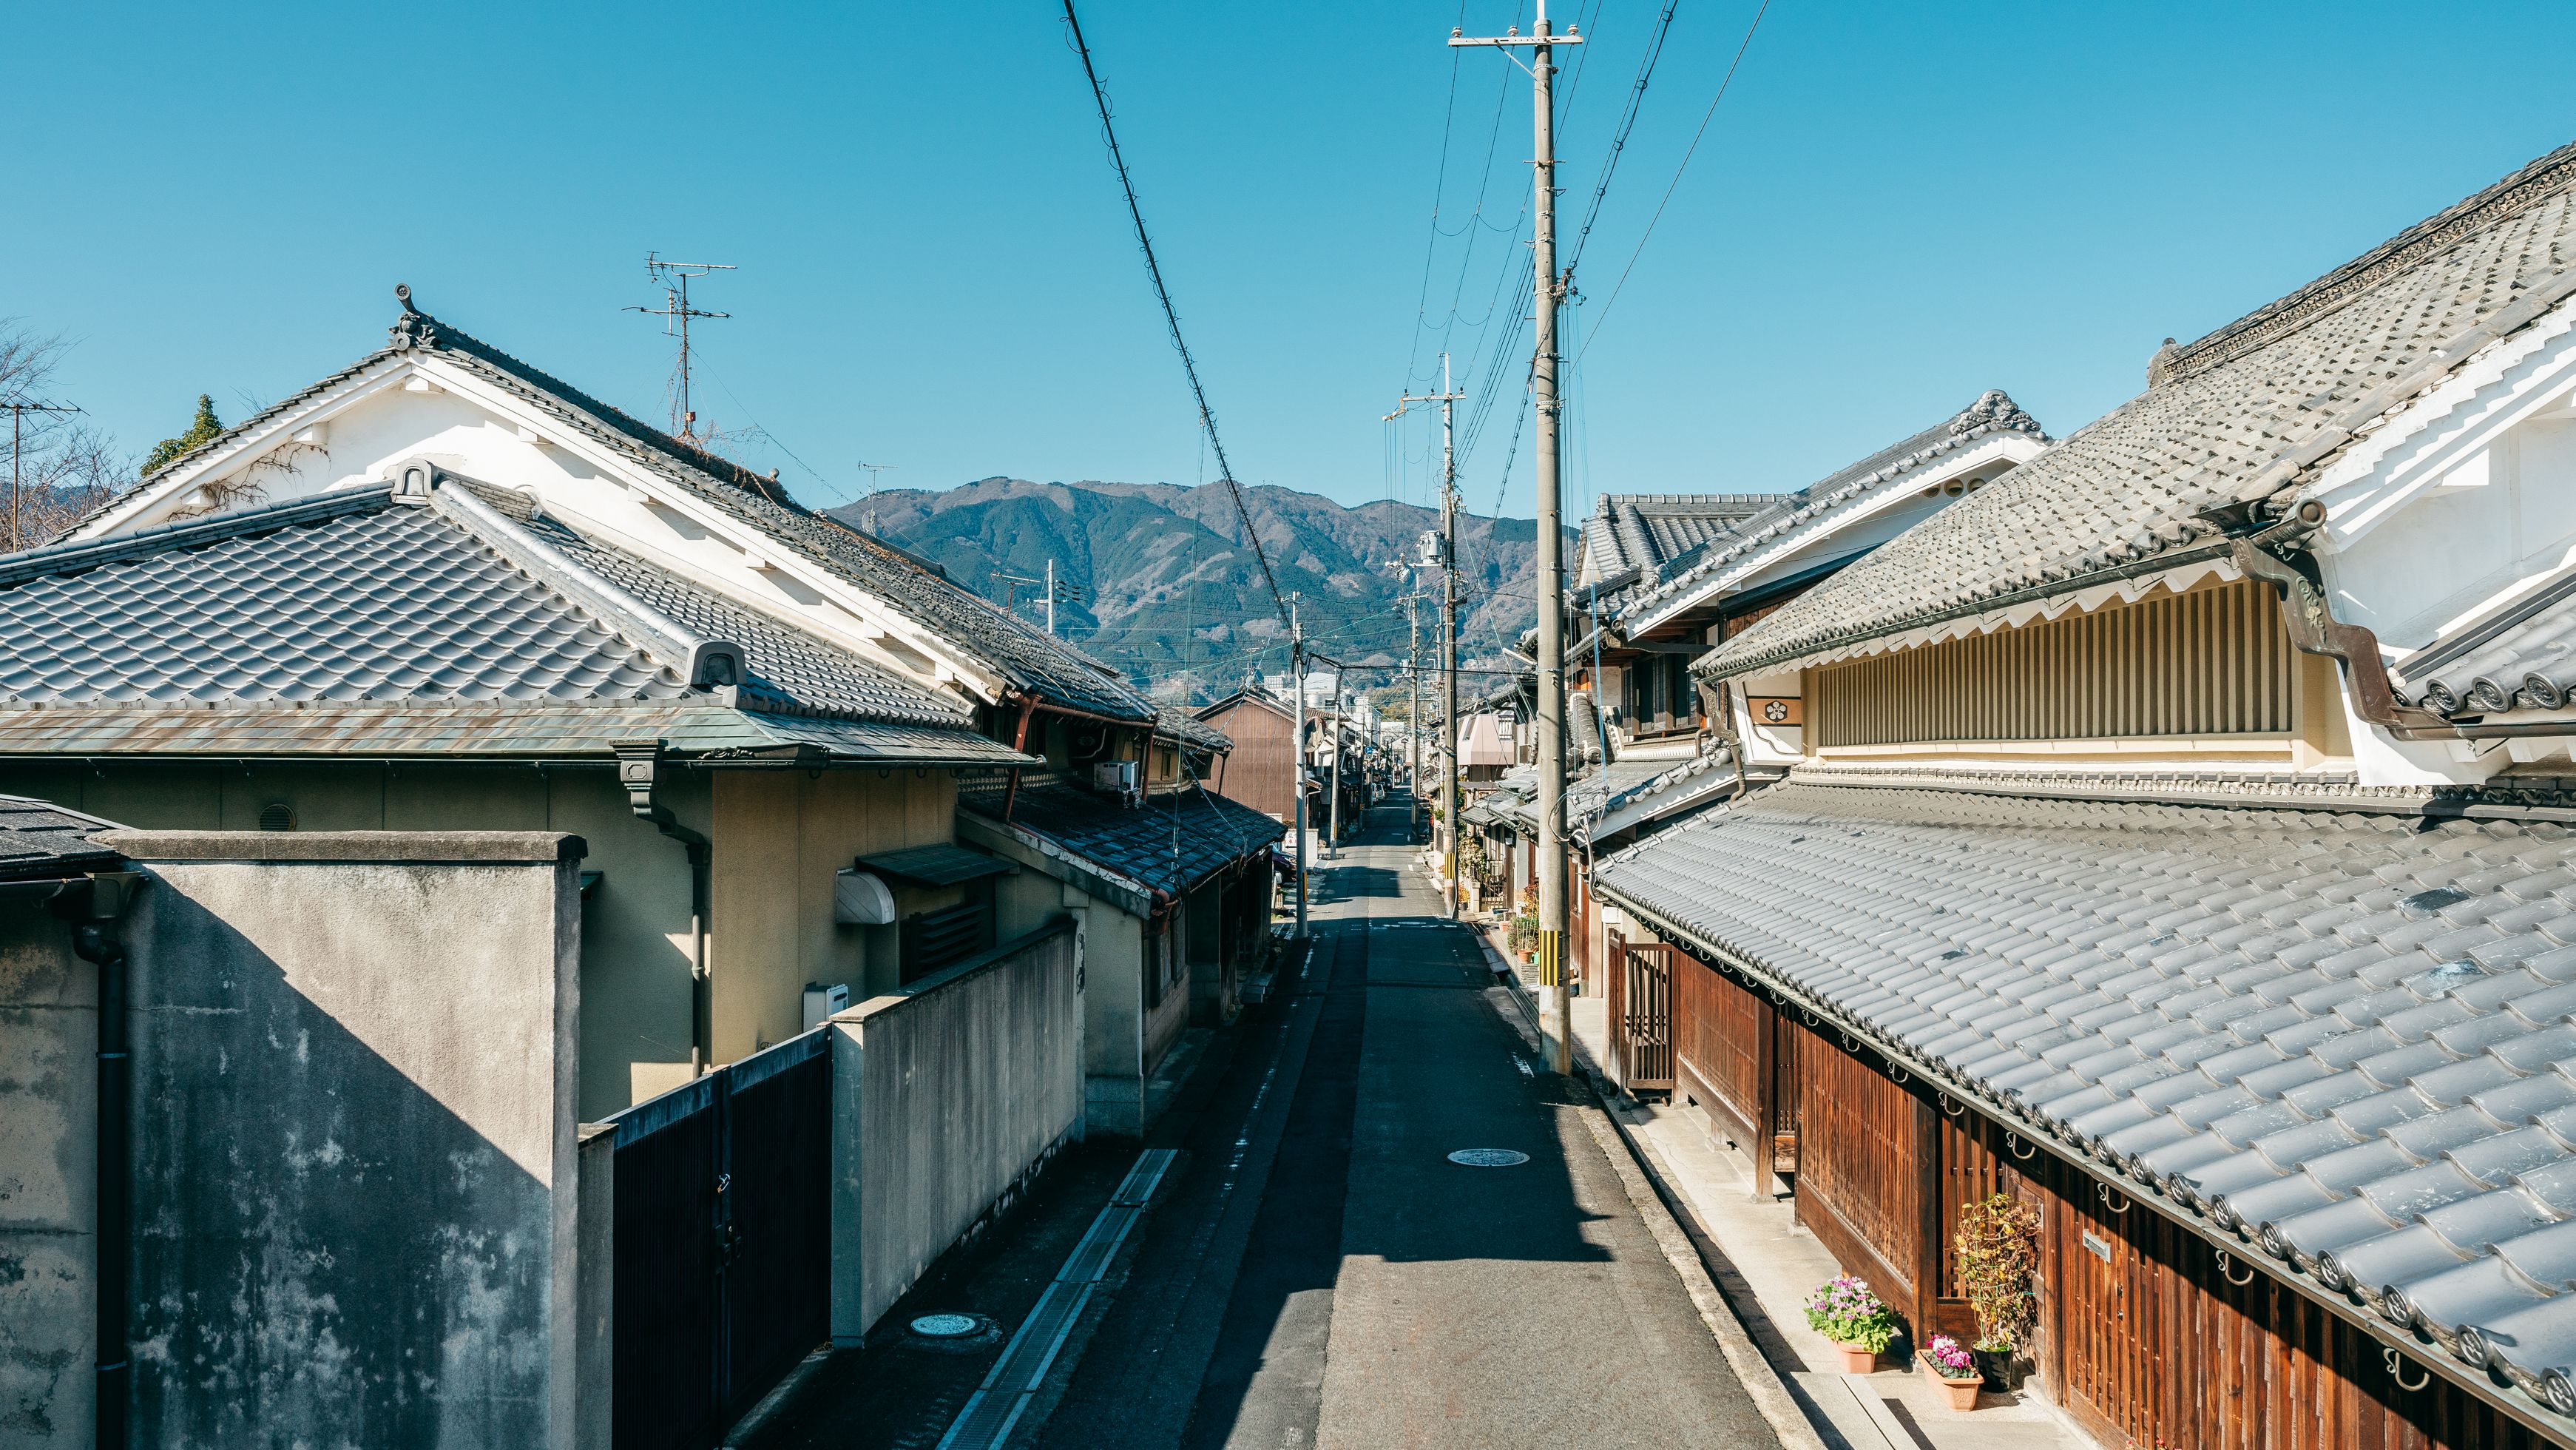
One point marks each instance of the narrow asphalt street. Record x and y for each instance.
(1322, 1274)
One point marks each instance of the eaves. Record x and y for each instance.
(1048, 858)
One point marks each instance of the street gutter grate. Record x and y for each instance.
(1090, 1258)
(1146, 1176)
(995, 1408)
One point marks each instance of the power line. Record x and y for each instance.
(1619, 138)
(1171, 314)
(1729, 79)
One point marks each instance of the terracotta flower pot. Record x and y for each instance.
(1962, 1391)
(1857, 1360)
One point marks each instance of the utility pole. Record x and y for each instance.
(1297, 754)
(1413, 712)
(675, 312)
(1333, 815)
(1548, 296)
(18, 412)
(1448, 398)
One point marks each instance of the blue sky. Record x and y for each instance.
(1896, 207)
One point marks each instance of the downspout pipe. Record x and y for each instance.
(640, 766)
(2314, 629)
(93, 906)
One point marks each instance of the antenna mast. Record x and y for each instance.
(675, 312)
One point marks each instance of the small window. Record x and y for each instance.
(277, 816)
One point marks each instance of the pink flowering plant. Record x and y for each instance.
(1847, 1311)
(1950, 1360)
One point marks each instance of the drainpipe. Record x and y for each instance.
(93, 906)
(639, 769)
(2315, 630)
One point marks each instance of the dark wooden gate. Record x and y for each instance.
(1641, 1015)
(723, 1252)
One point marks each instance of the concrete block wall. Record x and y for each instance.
(48, 1190)
(947, 1096)
(357, 1192)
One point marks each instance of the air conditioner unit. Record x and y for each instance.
(1115, 775)
(822, 1002)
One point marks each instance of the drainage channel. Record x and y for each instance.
(996, 1406)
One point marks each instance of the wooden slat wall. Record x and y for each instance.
(2212, 661)
(1856, 1156)
(2154, 1342)
(1716, 1036)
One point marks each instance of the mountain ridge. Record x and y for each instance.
(1174, 597)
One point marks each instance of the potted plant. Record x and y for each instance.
(1859, 1323)
(1998, 1252)
(1948, 1364)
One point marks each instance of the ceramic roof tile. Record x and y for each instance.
(2130, 487)
(2321, 1121)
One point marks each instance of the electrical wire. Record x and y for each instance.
(1171, 314)
(1693, 150)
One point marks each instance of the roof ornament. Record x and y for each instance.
(2161, 367)
(414, 328)
(1996, 407)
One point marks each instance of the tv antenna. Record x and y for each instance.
(867, 480)
(673, 278)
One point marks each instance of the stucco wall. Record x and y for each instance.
(48, 1200)
(635, 924)
(946, 1096)
(355, 1066)
(780, 837)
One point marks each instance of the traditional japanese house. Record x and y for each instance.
(1661, 577)
(1260, 772)
(442, 589)
(2174, 838)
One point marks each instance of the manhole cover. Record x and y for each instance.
(1488, 1157)
(947, 1326)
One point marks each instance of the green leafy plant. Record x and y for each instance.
(1997, 1245)
(1847, 1311)
(1949, 1359)
(203, 429)
(1521, 934)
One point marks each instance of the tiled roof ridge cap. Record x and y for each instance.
(417, 330)
(161, 538)
(1813, 508)
(2437, 233)
(671, 644)
(2228, 789)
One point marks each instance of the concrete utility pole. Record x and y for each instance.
(1448, 398)
(1413, 712)
(1333, 815)
(1050, 589)
(1297, 753)
(1548, 296)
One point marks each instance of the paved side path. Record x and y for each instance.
(1326, 1277)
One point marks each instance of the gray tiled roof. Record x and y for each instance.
(38, 838)
(362, 601)
(2522, 657)
(1796, 517)
(1645, 530)
(782, 662)
(1184, 726)
(1171, 843)
(2349, 1037)
(349, 623)
(2232, 411)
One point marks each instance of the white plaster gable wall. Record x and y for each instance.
(2461, 500)
(422, 406)
(1891, 507)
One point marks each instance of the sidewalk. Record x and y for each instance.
(1775, 1263)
